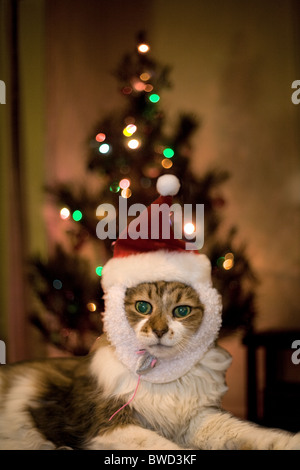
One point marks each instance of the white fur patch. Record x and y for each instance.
(112, 376)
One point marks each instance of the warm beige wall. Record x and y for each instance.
(234, 63)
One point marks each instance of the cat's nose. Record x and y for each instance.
(160, 333)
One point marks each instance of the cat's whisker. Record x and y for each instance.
(181, 346)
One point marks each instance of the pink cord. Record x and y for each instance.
(128, 401)
(153, 362)
(141, 351)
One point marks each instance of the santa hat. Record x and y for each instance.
(158, 256)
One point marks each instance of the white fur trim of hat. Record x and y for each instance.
(189, 268)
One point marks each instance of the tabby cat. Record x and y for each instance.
(78, 403)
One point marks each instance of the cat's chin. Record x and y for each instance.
(160, 350)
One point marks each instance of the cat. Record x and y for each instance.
(79, 403)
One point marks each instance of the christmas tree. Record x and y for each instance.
(128, 150)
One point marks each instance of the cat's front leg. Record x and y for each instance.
(131, 437)
(214, 430)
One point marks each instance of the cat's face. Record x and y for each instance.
(164, 315)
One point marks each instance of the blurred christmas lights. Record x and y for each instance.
(189, 228)
(229, 261)
(104, 148)
(168, 153)
(65, 213)
(100, 137)
(148, 87)
(91, 307)
(220, 261)
(138, 85)
(154, 98)
(77, 215)
(126, 90)
(133, 144)
(129, 130)
(166, 163)
(162, 156)
(124, 183)
(151, 170)
(143, 48)
(114, 187)
(145, 76)
(57, 284)
(99, 270)
(226, 262)
(126, 193)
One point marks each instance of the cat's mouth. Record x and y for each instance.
(160, 350)
(159, 345)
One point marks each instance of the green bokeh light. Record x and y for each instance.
(99, 270)
(168, 153)
(77, 215)
(114, 187)
(154, 98)
(220, 261)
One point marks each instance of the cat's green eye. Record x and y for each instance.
(182, 311)
(145, 308)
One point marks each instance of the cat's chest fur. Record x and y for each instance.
(70, 401)
(168, 407)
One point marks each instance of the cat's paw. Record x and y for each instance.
(47, 445)
(294, 442)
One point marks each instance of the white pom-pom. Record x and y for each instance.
(168, 185)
